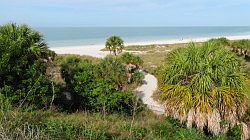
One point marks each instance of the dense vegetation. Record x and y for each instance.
(54, 125)
(98, 87)
(45, 96)
(242, 47)
(204, 87)
(24, 57)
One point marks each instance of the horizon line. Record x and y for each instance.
(139, 26)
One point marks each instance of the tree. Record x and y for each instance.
(129, 58)
(203, 87)
(133, 64)
(114, 44)
(23, 57)
(112, 69)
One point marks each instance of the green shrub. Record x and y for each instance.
(98, 87)
(137, 77)
(23, 62)
(129, 58)
(222, 41)
(235, 132)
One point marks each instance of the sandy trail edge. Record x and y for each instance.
(149, 86)
(146, 91)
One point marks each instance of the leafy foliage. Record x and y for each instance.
(202, 85)
(129, 58)
(242, 47)
(98, 87)
(115, 44)
(133, 64)
(23, 60)
(222, 41)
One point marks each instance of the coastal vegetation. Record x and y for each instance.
(114, 44)
(242, 47)
(48, 96)
(24, 57)
(202, 86)
(100, 87)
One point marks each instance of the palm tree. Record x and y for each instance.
(202, 86)
(22, 53)
(112, 68)
(114, 44)
(133, 63)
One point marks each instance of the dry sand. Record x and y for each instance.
(146, 91)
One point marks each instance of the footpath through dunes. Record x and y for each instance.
(146, 91)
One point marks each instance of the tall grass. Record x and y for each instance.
(50, 124)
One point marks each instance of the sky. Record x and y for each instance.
(85, 13)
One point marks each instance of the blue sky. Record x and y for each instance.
(44, 13)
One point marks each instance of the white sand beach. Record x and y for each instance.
(94, 50)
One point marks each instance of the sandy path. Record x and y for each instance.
(146, 91)
(149, 86)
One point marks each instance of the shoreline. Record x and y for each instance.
(95, 50)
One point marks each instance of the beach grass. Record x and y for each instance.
(153, 55)
(52, 124)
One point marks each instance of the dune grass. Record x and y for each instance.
(51, 124)
(153, 55)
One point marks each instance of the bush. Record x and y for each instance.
(200, 82)
(222, 41)
(99, 87)
(23, 62)
(129, 58)
(137, 77)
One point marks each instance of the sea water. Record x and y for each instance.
(81, 36)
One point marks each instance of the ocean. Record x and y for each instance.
(82, 36)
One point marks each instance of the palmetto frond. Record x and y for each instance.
(202, 85)
(115, 44)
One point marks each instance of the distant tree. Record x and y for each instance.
(203, 87)
(114, 44)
